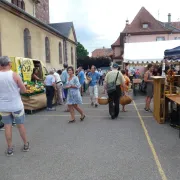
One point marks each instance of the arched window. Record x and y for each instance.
(27, 43)
(22, 5)
(0, 45)
(19, 3)
(47, 49)
(60, 53)
(15, 2)
(72, 56)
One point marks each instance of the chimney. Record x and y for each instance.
(169, 18)
(127, 22)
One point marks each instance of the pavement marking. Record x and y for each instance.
(159, 166)
(104, 109)
(58, 115)
(128, 104)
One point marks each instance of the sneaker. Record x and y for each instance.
(10, 152)
(51, 109)
(96, 105)
(146, 109)
(26, 147)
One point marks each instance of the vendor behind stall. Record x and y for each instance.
(34, 76)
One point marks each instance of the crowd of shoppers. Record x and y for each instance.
(67, 87)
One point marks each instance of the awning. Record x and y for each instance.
(147, 52)
(172, 54)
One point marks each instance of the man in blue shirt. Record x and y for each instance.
(64, 79)
(81, 78)
(93, 88)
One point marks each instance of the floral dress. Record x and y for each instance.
(74, 96)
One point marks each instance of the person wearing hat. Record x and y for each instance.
(114, 97)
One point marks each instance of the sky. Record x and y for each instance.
(98, 23)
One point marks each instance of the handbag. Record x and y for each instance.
(111, 87)
(88, 80)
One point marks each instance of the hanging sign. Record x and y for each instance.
(27, 68)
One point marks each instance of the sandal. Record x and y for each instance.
(82, 118)
(71, 121)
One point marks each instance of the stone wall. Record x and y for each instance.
(42, 11)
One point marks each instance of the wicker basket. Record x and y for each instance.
(103, 101)
(124, 100)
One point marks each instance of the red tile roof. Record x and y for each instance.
(116, 43)
(144, 16)
(154, 27)
(104, 52)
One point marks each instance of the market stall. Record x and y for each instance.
(172, 87)
(140, 54)
(35, 97)
(167, 89)
(147, 52)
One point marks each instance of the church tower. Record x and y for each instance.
(42, 10)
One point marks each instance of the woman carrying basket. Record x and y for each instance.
(125, 88)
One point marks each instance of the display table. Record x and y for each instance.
(136, 82)
(174, 99)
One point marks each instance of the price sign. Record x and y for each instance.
(27, 69)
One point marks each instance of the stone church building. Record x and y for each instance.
(25, 32)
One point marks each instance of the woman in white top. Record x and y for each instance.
(11, 106)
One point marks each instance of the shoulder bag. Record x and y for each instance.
(111, 87)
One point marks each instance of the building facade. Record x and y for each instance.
(145, 28)
(26, 33)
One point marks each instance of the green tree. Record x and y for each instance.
(81, 51)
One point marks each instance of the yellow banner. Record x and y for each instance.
(27, 68)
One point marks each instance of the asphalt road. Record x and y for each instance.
(97, 149)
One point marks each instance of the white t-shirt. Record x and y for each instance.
(57, 77)
(10, 99)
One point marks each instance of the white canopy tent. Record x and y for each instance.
(147, 52)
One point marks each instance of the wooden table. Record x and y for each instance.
(175, 99)
(135, 83)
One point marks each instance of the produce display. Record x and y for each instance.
(33, 88)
